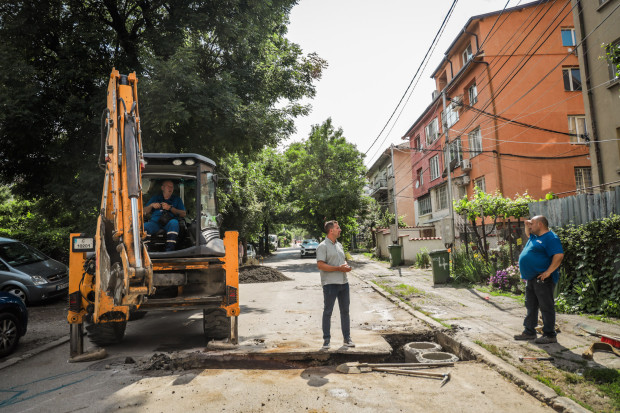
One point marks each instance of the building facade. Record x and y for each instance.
(389, 180)
(597, 26)
(512, 90)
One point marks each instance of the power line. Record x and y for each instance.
(443, 24)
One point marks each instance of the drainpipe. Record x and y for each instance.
(394, 188)
(451, 70)
(586, 68)
(476, 36)
(447, 163)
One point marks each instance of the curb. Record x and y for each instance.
(465, 347)
(39, 350)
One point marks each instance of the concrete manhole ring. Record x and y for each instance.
(436, 357)
(413, 349)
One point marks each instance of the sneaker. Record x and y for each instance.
(546, 340)
(325, 346)
(349, 343)
(525, 336)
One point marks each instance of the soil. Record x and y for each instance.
(260, 274)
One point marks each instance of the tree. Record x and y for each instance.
(327, 178)
(257, 193)
(210, 74)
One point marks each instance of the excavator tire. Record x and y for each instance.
(215, 323)
(105, 334)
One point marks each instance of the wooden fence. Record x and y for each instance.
(578, 209)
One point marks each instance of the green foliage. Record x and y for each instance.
(326, 174)
(470, 269)
(387, 218)
(608, 382)
(25, 221)
(591, 266)
(215, 77)
(257, 192)
(423, 258)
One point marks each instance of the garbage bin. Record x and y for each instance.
(394, 255)
(441, 266)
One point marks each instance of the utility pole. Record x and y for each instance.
(394, 190)
(446, 129)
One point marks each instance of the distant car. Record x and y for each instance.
(308, 247)
(251, 252)
(13, 322)
(273, 241)
(29, 274)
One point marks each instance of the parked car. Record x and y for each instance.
(13, 322)
(273, 241)
(251, 252)
(308, 247)
(29, 274)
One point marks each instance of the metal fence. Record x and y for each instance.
(578, 209)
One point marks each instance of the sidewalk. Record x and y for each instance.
(491, 322)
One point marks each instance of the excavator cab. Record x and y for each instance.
(195, 183)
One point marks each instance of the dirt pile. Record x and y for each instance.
(260, 274)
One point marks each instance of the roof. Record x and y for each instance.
(479, 17)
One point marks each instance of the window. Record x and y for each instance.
(568, 37)
(420, 175)
(441, 197)
(432, 131)
(417, 143)
(583, 180)
(467, 55)
(434, 167)
(389, 171)
(481, 184)
(452, 113)
(425, 205)
(475, 143)
(456, 152)
(572, 79)
(577, 126)
(601, 2)
(473, 94)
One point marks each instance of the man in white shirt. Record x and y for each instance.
(333, 266)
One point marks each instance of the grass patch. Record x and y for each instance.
(484, 289)
(409, 289)
(547, 382)
(493, 349)
(607, 381)
(603, 319)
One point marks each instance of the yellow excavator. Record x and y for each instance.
(122, 272)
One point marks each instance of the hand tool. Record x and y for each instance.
(605, 338)
(444, 376)
(356, 367)
(521, 358)
(589, 353)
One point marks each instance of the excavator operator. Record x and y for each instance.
(166, 208)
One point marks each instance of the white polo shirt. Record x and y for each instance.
(331, 253)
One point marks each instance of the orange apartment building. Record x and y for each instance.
(514, 112)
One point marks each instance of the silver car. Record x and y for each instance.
(308, 247)
(30, 274)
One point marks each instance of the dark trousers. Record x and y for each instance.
(539, 295)
(330, 293)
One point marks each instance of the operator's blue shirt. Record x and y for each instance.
(174, 200)
(537, 255)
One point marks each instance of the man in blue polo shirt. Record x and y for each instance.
(539, 262)
(166, 208)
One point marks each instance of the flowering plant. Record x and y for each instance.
(506, 278)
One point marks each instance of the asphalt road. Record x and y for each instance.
(278, 319)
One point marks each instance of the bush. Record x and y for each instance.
(591, 268)
(472, 268)
(423, 258)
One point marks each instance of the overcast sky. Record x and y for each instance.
(374, 48)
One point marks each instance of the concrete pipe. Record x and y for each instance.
(413, 349)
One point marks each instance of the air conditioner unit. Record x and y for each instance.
(435, 94)
(458, 100)
(462, 180)
(465, 165)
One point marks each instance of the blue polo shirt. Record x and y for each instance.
(538, 254)
(174, 200)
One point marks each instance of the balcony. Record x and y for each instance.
(379, 188)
